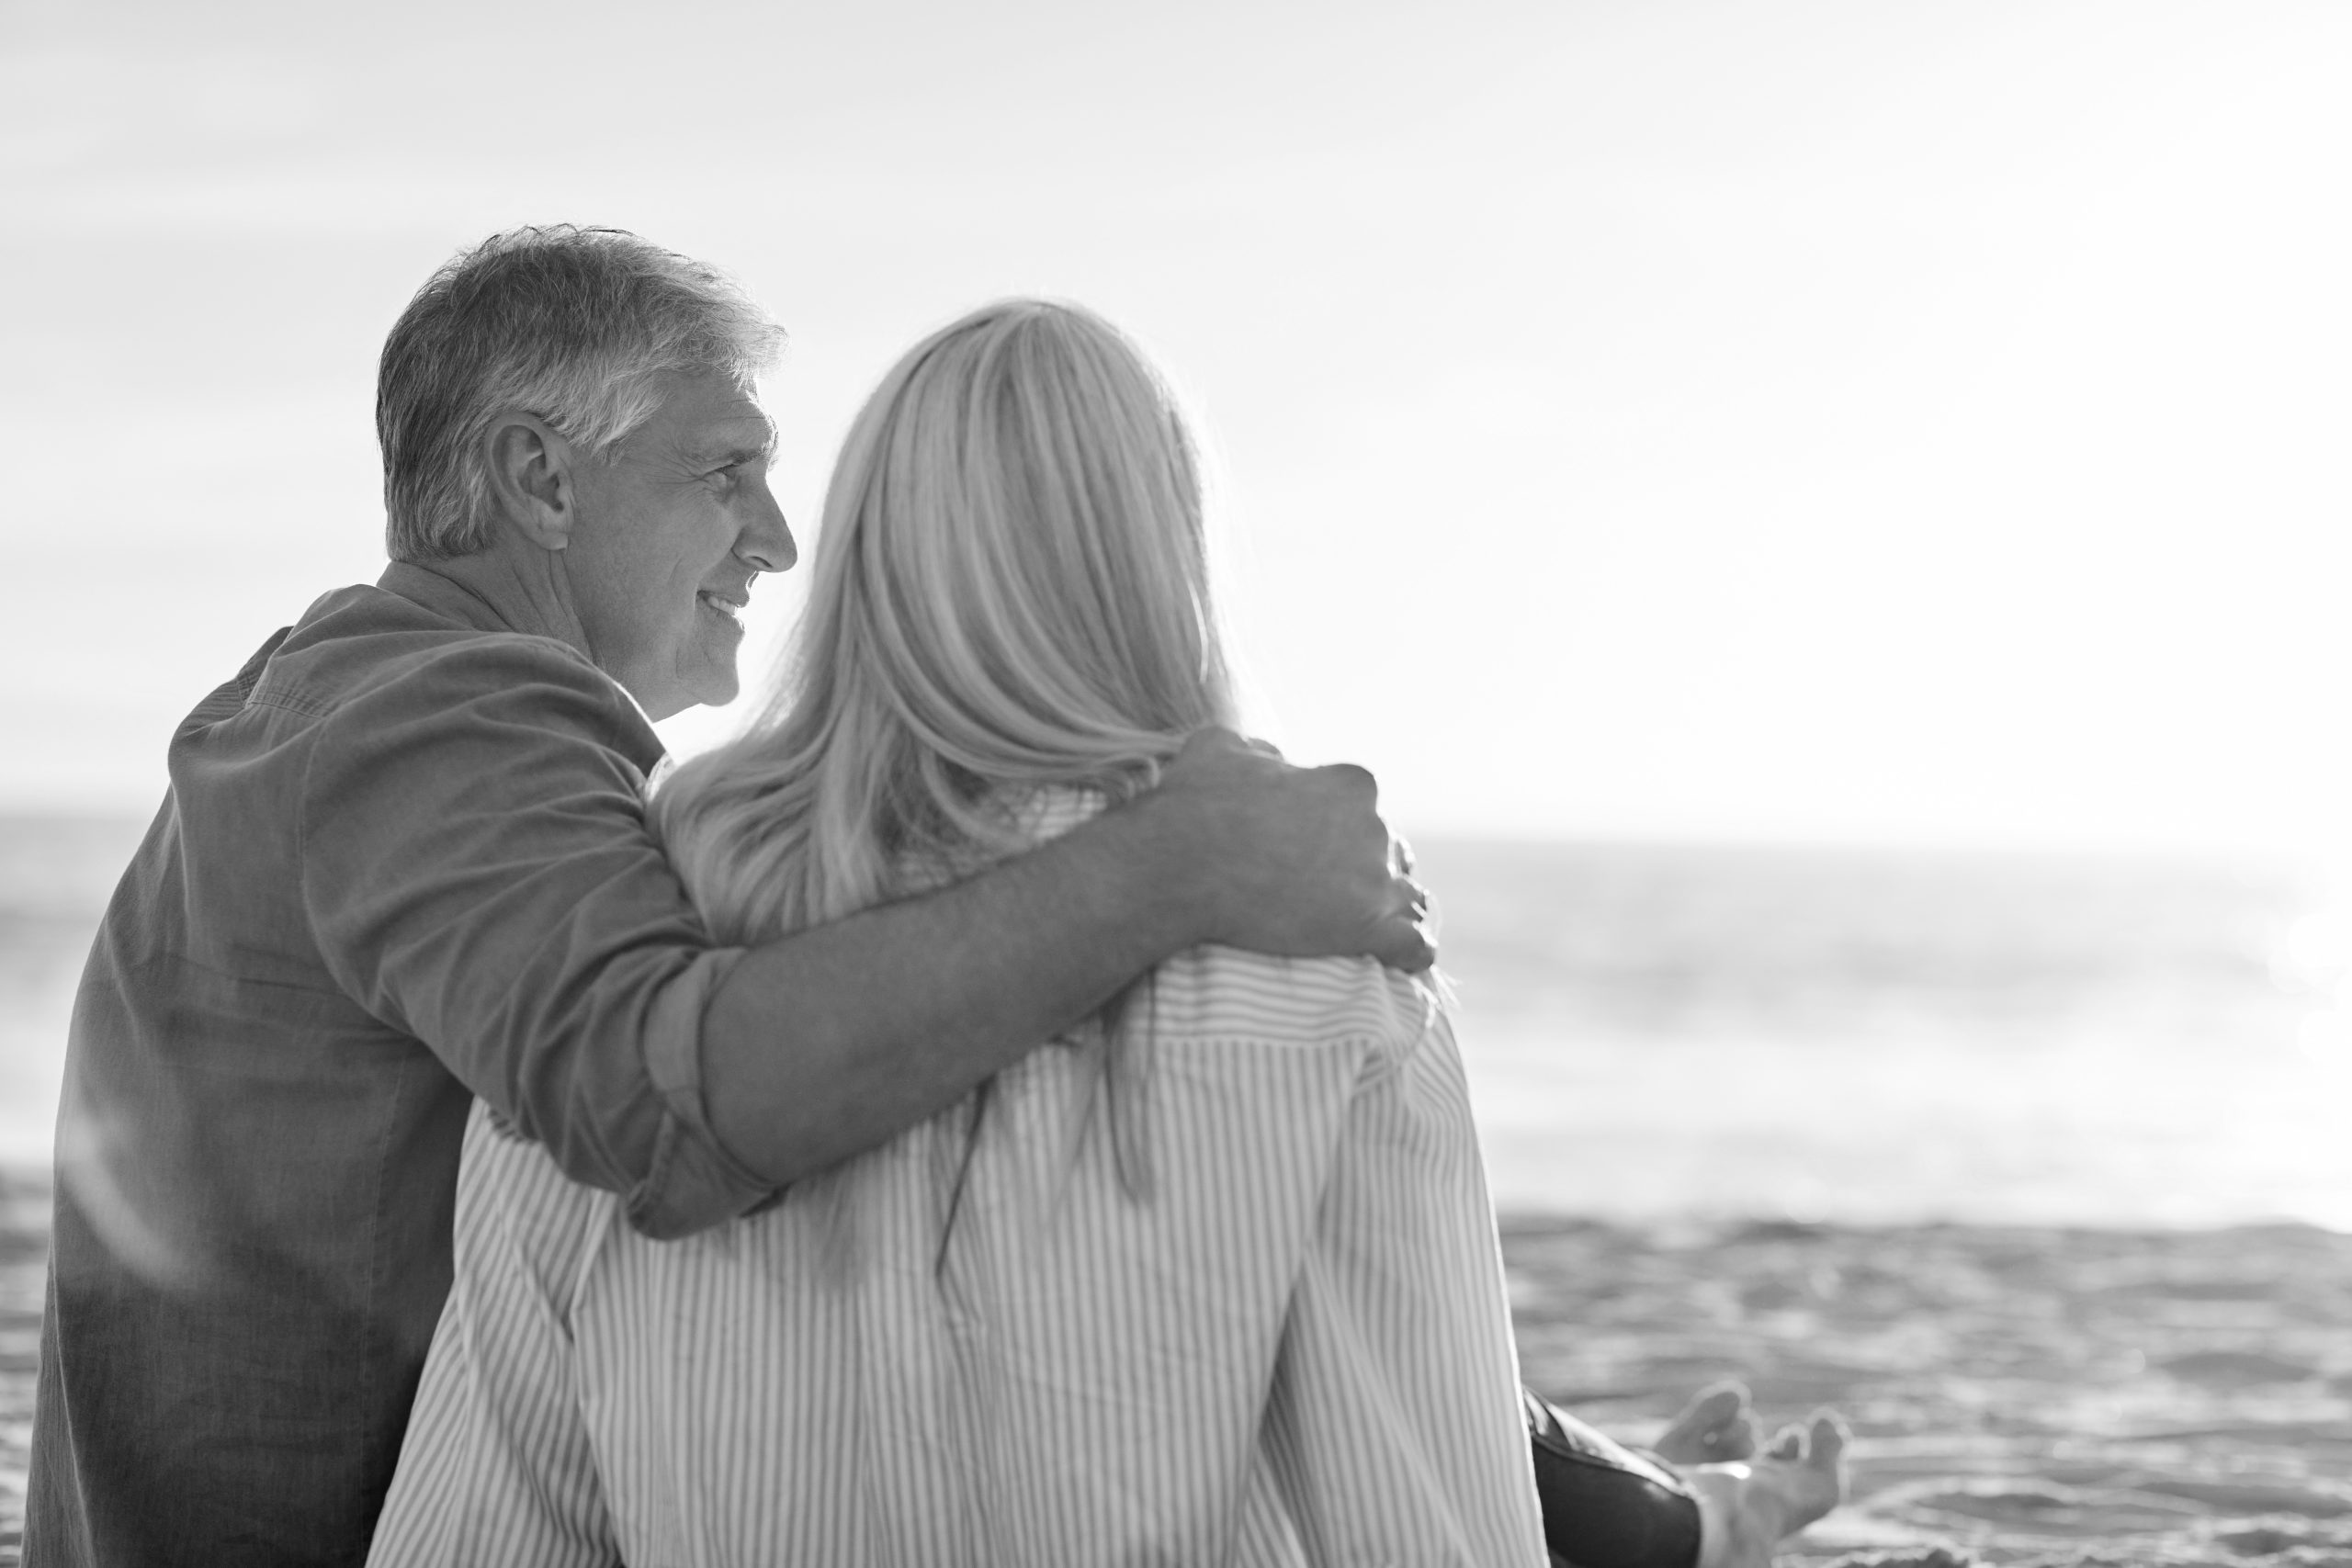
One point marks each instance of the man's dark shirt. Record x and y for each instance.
(402, 861)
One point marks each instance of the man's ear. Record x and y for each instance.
(532, 482)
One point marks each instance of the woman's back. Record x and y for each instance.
(1293, 1347)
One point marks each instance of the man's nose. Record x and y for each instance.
(767, 542)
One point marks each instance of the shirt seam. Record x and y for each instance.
(308, 707)
(378, 1262)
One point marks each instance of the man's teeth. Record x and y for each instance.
(730, 611)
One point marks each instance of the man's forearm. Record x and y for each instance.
(831, 1041)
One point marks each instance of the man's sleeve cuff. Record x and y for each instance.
(695, 1183)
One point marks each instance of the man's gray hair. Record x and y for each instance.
(569, 324)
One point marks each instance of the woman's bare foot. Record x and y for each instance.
(1745, 1507)
(1714, 1426)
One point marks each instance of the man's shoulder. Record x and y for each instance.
(364, 650)
(366, 664)
(362, 636)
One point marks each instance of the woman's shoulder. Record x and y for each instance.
(512, 1193)
(1225, 993)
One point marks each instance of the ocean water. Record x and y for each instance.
(1657, 1032)
(55, 876)
(1872, 1036)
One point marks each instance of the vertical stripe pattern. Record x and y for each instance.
(1291, 1347)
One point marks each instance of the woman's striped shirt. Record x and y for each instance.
(1282, 1340)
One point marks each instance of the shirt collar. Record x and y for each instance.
(456, 602)
(442, 596)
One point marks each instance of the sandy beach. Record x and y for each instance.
(2019, 1395)
(2060, 1398)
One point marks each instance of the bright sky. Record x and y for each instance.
(1863, 421)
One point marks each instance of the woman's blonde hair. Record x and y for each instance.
(1010, 594)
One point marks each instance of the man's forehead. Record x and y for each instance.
(713, 416)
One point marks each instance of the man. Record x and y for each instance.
(401, 862)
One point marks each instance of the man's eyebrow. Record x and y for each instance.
(739, 445)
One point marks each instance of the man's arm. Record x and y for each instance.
(830, 1042)
(478, 875)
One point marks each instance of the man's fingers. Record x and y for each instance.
(1408, 938)
(1405, 946)
(1348, 774)
(1417, 898)
(1400, 853)
(1422, 905)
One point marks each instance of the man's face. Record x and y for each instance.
(672, 526)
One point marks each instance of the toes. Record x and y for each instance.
(1715, 1425)
(1720, 1400)
(1825, 1442)
(1712, 1406)
(1788, 1443)
(1818, 1484)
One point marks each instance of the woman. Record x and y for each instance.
(1212, 1278)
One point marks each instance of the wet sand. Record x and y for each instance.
(2019, 1395)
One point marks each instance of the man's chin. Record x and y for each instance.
(709, 682)
(714, 692)
(677, 700)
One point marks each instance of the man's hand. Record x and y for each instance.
(1287, 860)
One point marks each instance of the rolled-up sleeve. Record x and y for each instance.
(477, 874)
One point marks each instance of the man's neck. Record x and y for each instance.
(526, 590)
(491, 588)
